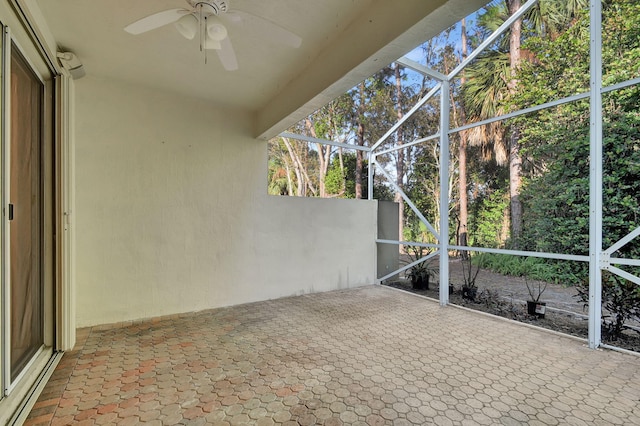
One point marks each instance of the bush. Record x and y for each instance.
(620, 300)
(567, 273)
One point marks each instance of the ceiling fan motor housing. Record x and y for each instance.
(214, 7)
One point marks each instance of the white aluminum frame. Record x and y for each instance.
(8, 383)
(5, 314)
(595, 176)
(598, 258)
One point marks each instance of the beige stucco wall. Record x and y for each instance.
(172, 213)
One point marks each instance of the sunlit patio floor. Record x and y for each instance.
(371, 355)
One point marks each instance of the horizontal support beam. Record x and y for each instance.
(545, 106)
(409, 266)
(543, 255)
(522, 112)
(323, 141)
(621, 261)
(408, 243)
(622, 85)
(409, 144)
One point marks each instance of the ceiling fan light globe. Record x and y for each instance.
(215, 30)
(187, 26)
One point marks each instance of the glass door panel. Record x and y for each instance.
(26, 225)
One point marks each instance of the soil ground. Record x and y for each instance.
(506, 296)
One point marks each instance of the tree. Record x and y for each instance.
(557, 140)
(463, 216)
(360, 139)
(556, 192)
(515, 159)
(280, 180)
(493, 79)
(400, 153)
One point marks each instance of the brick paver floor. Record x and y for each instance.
(371, 355)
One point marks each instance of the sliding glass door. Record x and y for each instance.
(26, 221)
(32, 303)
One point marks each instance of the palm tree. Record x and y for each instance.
(493, 78)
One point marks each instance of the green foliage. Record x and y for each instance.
(423, 188)
(417, 231)
(486, 219)
(342, 181)
(556, 141)
(279, 175)
(621, 301)
(566, 273)
(335, 180)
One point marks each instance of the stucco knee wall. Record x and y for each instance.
(172, 213)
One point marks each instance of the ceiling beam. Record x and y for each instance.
(387, 31)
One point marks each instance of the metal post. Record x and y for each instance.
(5, 255)
(595, 177)
(444, 193)
(371, 158)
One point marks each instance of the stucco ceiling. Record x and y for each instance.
(343, 42)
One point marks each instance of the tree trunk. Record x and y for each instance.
(359, 162)
(296, 168)
(504, 229)
(400, 154)
(343, 187)
(301, 173)
(515, 160)
(360, 142)
(324, 156)
(515, 183)
(289, 182)
(462, 157)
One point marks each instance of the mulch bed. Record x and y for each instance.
(498, 298)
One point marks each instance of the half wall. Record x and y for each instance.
(172, 213)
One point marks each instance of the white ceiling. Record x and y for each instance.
(162, 58)
(344, 41)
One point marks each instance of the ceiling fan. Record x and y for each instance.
(208, 18)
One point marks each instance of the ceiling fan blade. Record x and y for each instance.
(227, 55)
(275, 31)
(154, 21)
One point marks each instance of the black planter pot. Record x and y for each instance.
(536, 309)
(469, 293)
(420, 283)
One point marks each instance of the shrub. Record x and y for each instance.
(620, 302)
(567, 273)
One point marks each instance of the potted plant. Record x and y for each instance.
(420, 274)
(534, 306)
(469, 275)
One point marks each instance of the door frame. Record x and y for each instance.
(26, 32)
(9, 43)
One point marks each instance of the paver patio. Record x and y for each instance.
(371, 355)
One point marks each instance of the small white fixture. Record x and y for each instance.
(72, 64)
